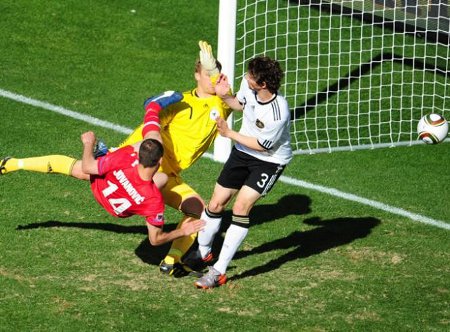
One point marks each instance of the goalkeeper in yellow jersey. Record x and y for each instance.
(188, 128)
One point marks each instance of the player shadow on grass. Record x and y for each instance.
(331, 234)
(157, 252)
(288, 205)
(293, 204)
(115, 228)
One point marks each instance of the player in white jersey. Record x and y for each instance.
(261, 152)
(268, 121)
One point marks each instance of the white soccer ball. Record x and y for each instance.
(432, 128)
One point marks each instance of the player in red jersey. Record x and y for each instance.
(122, 182)
(125, 182)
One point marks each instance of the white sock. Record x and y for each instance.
(233, 239)
(206, 235)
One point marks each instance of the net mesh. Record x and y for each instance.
(357, 75)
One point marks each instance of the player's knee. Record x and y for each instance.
(215, 207)
(242, 208)
(192, 206)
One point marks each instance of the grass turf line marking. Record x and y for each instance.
(64, 111)
(288, 180)
(365, 201)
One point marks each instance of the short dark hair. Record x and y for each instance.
(265, 70)
(150, 151)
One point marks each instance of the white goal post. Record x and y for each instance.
(225, 54)
(358, 74)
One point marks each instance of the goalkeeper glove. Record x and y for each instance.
(208, 61)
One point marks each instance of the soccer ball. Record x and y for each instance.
(432, 128)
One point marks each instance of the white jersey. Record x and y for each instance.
(269, 122)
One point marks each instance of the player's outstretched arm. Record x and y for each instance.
(89, 164)
(223, 90)
(248, 141)
(158, 237)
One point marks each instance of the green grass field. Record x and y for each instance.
(312, 261)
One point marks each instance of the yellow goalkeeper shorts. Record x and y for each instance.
(176, 191)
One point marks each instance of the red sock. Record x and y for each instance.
(151, 118)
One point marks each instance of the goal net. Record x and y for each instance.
(358, 74)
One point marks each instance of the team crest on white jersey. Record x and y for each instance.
(259, 124)
(214, 114)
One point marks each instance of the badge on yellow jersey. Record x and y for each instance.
(214, 113)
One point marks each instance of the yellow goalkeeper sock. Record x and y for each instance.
(180, 246)
(46, 164)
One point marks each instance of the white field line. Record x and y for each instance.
(65, 112)
(365, 201)
(294, 182)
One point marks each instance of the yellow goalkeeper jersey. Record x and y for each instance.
(188, 129)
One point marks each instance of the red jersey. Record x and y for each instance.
(122, 192)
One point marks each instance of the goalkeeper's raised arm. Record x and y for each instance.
(208, 61)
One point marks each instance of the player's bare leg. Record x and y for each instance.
(235, 234)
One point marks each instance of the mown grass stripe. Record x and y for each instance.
(285, 179)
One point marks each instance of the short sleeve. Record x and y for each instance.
(156, 219)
